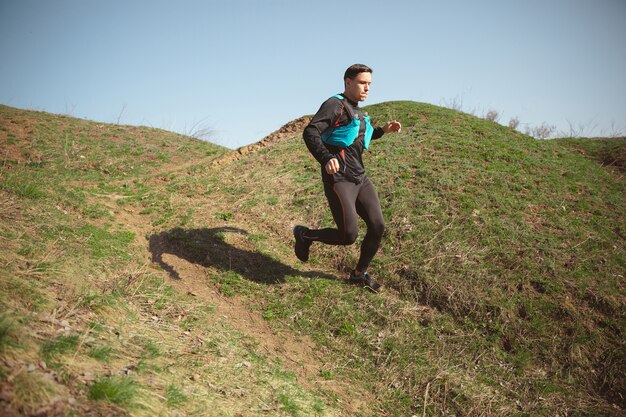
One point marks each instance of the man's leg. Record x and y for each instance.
(341, 198)
(368, 208)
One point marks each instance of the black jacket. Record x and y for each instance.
(351, 163)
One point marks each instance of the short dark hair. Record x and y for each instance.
(355, 70)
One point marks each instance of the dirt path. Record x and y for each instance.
(296, 353)
(289, 130)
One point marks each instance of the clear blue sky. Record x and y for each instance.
(244, 68)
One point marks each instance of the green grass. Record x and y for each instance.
(26, 292)
(225, 216)
(20, 185)
(6, 329)
(288, 404)
(102, 353)
(151, 350)
(106, 244)
(231, 283)
(175, 396)
(118, 390)
(59, 346)
(502, 263)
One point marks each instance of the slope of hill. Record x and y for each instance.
(171, 282)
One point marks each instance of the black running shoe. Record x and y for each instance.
(365, 280)
(302, 245)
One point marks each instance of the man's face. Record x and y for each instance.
(358, 87)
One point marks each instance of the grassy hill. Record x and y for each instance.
(146, 273)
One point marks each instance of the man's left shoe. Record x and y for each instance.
(302, 245)
(366, 280)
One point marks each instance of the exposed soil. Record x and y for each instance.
(297, 353)
(289, 130)
(14, 137)
(615, 157)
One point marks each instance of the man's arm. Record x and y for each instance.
(393, 126)
(379, 131)
(325, 117)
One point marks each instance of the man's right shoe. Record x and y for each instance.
(302, 245)
(366, 280)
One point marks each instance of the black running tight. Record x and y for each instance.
(346, 200)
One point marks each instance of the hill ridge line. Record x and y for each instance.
(288, 130)
(502, 264)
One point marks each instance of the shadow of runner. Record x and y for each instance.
(206, 247)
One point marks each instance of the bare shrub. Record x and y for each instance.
(514, 123)
(580, 130)
(121, 113)
(543, 131)
(455, 103)
(199, 130)
(615, 132)
(492, 116)
(205, 133)
(70, 108)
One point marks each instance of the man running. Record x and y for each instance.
(336, 137)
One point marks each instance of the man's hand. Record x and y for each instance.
(394, 126)
(332, 166)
